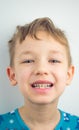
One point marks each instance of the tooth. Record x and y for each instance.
(48, 85)
(37, 85)
(42, 85)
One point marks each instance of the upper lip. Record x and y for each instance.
(42, 82)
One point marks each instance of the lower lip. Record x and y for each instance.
(42, 90)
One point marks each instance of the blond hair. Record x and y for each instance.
(31, 29)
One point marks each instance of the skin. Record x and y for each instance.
(42, 61)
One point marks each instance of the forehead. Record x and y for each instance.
(45, 43)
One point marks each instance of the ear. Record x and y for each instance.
(70, 74)
(11, 75)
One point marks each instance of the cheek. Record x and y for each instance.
(23, 76)
(61, 82)
(62, 76)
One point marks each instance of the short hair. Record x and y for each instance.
(31, 29)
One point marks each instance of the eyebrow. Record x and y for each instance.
(26, 53)
(56, 52)
(32, 53)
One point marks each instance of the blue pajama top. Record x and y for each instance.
(13, 121)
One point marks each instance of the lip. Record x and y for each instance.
(42, 82)
(42, 90)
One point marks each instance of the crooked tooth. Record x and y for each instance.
(48, 85)
(42, 85)
(37, 85)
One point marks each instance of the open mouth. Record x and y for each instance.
(42, 85)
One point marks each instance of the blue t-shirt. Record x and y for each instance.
(13, 121)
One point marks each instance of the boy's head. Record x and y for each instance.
(31, 29)
(40, 61)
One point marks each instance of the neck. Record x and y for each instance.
(42, 114)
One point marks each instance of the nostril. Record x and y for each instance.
(41, 73)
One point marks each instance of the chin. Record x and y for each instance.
(42, 102)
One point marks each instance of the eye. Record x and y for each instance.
(54, 61)
(28, 61)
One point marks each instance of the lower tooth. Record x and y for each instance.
(42, 87)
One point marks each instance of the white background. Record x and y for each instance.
(65, 14)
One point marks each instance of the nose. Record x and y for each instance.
(41, 69)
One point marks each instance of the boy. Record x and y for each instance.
(41, 66)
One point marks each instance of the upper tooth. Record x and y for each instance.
(42, 85)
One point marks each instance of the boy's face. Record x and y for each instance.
(40, 69)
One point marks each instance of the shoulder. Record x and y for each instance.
(7, 116)
(69, 121)
(7, 119)
(69, 116)
(12, 121)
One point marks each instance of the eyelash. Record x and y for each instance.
(54, 61)
(28, 61)
(31, 61)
